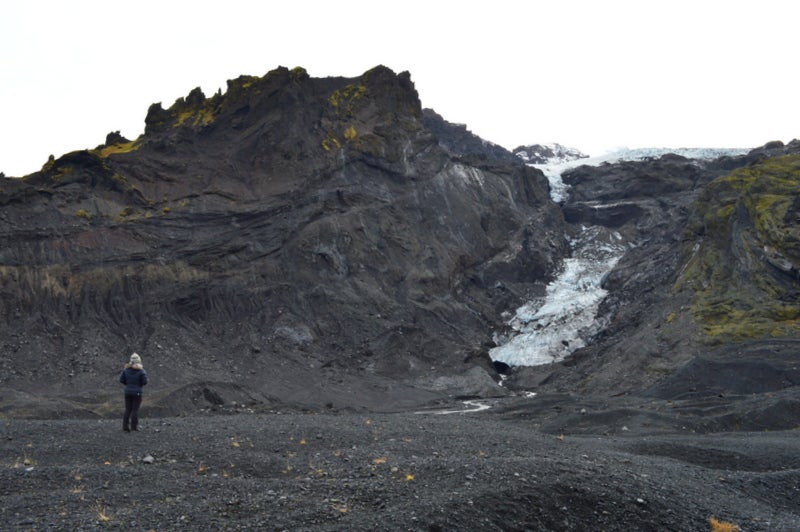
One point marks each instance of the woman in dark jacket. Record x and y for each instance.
(134, 377)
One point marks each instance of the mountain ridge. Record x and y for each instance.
(551, 153)
(314, 227)
(314, 272)
(328, 243)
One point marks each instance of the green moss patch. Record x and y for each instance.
(738, 227)
(345, 100)
(124, 147)
(195, 117)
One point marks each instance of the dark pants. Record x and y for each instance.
(131, 418)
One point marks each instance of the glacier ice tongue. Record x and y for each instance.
(550, 328)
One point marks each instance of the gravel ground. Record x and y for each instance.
(401, 471)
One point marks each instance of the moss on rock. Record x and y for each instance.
(743, 266)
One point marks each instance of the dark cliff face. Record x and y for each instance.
(304, 241)
(457, 139)
(300, 242)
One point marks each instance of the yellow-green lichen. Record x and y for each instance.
(330, 142)
(739, 225)
(124, 147)
(245, 82)
(298, 74)
(350, 134)
(349, 137)
(51, 161)
(343, 101)
(195, 117)
(61, 172)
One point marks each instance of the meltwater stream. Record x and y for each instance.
(550, 328)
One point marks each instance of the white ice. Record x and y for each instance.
(554, 169)
(550, 328)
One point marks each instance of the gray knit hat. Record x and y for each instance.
(136, 360)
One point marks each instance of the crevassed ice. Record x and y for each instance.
(558, 189)
(550, 328)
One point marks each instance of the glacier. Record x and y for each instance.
(550, 328)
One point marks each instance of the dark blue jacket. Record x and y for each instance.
(133, 379)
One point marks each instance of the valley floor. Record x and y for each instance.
(482, 470)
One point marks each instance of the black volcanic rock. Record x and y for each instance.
(296, 249)
(626, 180)
(114, 138)
(308, 241)
(457, 139)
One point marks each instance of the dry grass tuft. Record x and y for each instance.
(100, 511)
(721, 526)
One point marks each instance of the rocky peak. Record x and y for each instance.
(290, 230)
(284, 125)
(547, 153)
(251, 99)
(113, 138)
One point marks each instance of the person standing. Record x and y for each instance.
(134, 377)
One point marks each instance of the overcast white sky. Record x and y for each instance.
(590, 74)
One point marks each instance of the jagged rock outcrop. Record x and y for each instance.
(309, 240)
(457, 139)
